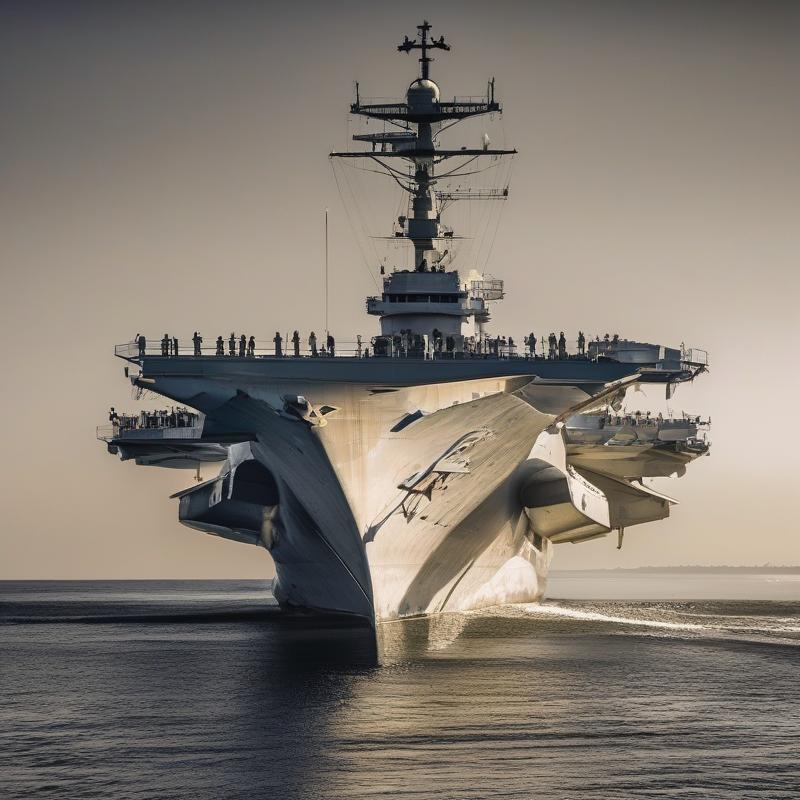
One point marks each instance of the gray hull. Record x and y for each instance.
(384, 501)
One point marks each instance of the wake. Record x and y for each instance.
(537, 609)
(755, 629)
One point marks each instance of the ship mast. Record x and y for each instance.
(420, 120)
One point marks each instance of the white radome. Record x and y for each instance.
(422, 92)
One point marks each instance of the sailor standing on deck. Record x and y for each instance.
(197, 340)
(296, 343)
(174, 345)
(581, 343)
(142, 342)
(312, 343)
(220, 346)
(278, 339)
(232, 344)
(331, 345)
(531, 342)
(562, 345)
(165, 345)
(242, 345)
(251, 347)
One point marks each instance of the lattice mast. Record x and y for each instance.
(420, 119)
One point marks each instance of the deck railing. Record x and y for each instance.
(345, 349)
(108, 432)
(366, 348)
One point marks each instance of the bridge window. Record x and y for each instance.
(420, 298)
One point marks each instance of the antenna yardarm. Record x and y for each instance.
(424, 45)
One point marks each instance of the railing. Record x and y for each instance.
(369, 347)
(108, 432)
(397, 109)
(639, 419)
(695, 357)
(261, 348)
(394, 100)
(487, 289)
(489, 348)
(173, 424)
(686, 433)
(105, 433)
(461, 306)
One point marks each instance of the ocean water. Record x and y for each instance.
(203, 690)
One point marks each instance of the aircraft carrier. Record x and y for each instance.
(432, 467)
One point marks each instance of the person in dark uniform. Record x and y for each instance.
(278, 339)
(296, 343)
(174, 345)
(242, 345)
(197, 340)
(312, 344)
(220, 346)
(331, 345)
(551, 341)
(562, 345)
(251, 347)
(581, 343)
(142, 342)
(531, 342)
(165, 345)
(232, 344)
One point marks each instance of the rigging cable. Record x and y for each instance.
(355, 193)
(352, 228)
(500, 214)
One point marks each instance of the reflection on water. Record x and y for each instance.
(177, 698)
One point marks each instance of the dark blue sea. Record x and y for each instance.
(204, 690)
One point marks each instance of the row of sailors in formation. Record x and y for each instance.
(179, 417)
(557, 345)
(502, 346)
(637, 418)
(242, 346)
(406, 340)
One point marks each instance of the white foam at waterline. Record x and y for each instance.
(535, 609)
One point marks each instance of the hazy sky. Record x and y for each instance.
(164, 168)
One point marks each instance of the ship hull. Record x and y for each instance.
(386, 500)
(393, 503)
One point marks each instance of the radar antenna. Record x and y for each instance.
(421, 119)
(424, 45)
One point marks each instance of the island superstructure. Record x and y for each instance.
(432, 467)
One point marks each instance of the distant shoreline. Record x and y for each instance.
(724, 570)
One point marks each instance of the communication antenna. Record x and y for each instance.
(326, 273)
